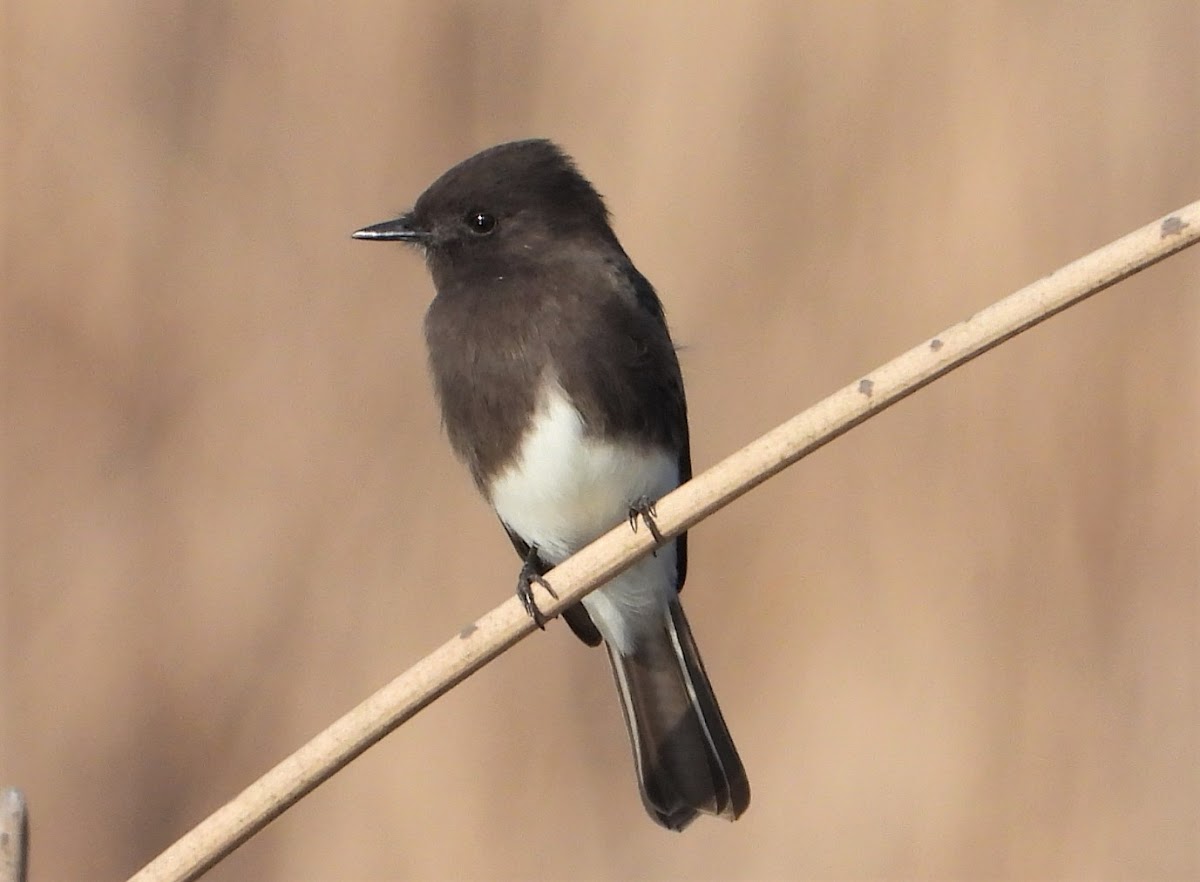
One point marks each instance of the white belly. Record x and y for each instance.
(565, 489)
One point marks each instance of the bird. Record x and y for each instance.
(561, 391)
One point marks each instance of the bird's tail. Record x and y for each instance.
(685, 759)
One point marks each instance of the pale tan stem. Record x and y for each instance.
(476, 645)
(14, 835)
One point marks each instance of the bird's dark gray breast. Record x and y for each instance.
(487, 366)
(494, 342)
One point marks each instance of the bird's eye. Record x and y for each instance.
(480, 222)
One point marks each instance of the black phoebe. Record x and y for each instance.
(561, 392)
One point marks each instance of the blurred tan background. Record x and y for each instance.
(959, 643)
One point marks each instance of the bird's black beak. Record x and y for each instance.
(402, 229)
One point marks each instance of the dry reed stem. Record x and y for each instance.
(14, 835)
(492, 634)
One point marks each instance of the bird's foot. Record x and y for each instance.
(643, 508)
(526, 579)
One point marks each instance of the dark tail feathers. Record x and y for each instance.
(685, 759)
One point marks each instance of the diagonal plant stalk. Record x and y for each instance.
(492, 634)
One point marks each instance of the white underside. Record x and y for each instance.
(565, 489)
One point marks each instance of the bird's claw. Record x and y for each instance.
(643, 509)
(526, 579)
